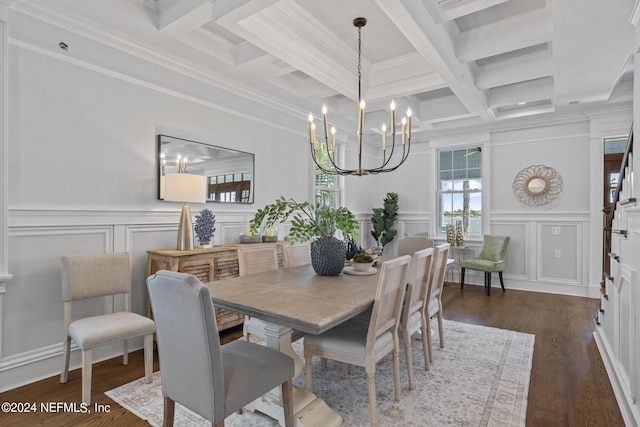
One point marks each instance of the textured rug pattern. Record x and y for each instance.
(480, 378)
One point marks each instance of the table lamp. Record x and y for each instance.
(187, 188)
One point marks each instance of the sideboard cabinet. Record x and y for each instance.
(207, 265)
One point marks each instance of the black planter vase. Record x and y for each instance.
(328, 255)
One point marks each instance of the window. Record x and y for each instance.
(460, 190)
(326, 186)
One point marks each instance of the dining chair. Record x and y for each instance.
(296, 255)
(197, 372)
(491, 259)
(365, 344)
(408, 245)
(433, 304)
(413, 311)
(101, 275)
(253, 261)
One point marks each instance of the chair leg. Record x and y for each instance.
(287, 397)
(424, 330)
(429, 339)
(461, 277)
(396, 371)
(169, 412)
(501, 280)
(371, 379)
(440, 329)
(87, 356)
(125, 352)
(407, 351)
(487, 282)
(148, 357)
(66, 350)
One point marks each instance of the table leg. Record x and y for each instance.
(308, 409)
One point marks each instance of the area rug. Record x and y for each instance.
(480, 378)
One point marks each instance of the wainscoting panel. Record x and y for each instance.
(140, 239)
(559, 252)
(518, 252)
(33, 302)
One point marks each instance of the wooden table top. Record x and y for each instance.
(296, 297)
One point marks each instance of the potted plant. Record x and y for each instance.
(316, 223)
(362, 262)
(204, 227)
(383, 220)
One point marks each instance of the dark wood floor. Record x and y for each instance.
(569, 385)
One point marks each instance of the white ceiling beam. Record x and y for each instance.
(536, 90)
(182, 16)
(517, 32)
(400, 76)
(528, 67)
(455, 9)
(290, 33)
(434, 43)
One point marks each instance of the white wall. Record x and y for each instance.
(82, 174)
(82, 163)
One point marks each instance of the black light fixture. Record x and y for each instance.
(333, 168)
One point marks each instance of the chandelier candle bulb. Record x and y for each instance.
(310, 129)
(179, 160)
(393, 118)
(333, 139)
(409, 123)
(324, 118)
(384, 137)
(184, 165)
(404, 124)
(313, 135)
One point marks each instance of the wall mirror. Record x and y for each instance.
(230, 173)
(537, 185)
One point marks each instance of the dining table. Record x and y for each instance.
(296, 299)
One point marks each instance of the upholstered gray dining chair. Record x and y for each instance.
(197, 372)
(99, 275)
(364, 344)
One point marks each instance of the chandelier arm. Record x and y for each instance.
(336, 170)
(405, 153)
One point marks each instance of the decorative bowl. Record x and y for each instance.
(361, 266)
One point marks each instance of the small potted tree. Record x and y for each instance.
(316, 223)
(383, 220)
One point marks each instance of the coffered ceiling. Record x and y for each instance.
(456, 63)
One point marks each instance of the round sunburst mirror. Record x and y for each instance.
(537, 185)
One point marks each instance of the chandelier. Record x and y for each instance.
(331, 167)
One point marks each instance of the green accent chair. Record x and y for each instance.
(491, 259)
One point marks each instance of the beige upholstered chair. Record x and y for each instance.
(296, 255)
(413, 312)
(436, 285)
(365, 344)
(197, 372)
(252, 261)
(410, 244)
(491, 259)
(106, 274)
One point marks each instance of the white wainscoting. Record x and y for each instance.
(31, 326)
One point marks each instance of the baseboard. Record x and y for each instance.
(628, 408)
